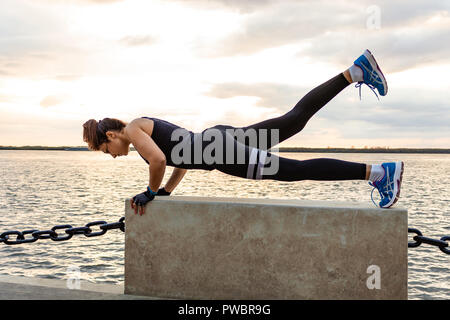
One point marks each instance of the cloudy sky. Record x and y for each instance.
(198, 63)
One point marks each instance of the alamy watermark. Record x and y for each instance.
(374, 281)
(228, 146)
(373, 21)
(74, 276)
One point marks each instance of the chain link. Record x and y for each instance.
(419, 239)
(104, 227)
(69, 230)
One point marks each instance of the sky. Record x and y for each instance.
(198, 63)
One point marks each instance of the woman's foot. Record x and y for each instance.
(389, 185)
(365, 70)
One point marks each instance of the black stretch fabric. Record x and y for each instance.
(163, 136)
(162, 131)
(287, 125)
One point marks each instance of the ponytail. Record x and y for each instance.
(94, 133)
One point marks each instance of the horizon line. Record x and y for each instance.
(284, 148)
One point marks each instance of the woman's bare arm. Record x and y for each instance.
(175, 178)
(145, 145)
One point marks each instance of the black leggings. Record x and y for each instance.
(260, 164)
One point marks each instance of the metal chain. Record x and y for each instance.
(70, 231)
(419, 239)
(104, 227)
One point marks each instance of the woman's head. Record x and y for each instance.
(107, 135)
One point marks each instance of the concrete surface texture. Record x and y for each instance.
(28, 288)
(239, 248)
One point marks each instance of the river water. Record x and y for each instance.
(40, 189)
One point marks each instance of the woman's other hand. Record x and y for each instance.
(140, 200)
(163, 192)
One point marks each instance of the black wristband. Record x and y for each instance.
(163, 192)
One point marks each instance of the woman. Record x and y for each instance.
(161, 143)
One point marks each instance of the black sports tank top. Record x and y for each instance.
(162, 134)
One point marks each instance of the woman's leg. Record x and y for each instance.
(295, 120)
(365, 70)
(249, 162)
(386, 177)
(260, 164)
(324, 169)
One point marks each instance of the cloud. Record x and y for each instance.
(392, 12)
(20, 19)
(79, 2)
(68, 77)
(24, 128)
(407, 111)
(398, 50)
(408, 12)
(5, 98)
(143, 40)
(50, 101)
(36, 40)
(98, 1)
(410, 33)
(241, 6)
(285, 23)
(271, 95)
(32, 34)
(5, 73)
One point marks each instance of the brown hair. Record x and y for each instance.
(94, 133)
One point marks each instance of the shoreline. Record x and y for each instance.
(283, 149)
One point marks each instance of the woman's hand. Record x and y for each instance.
(140, 200)
(163, 192)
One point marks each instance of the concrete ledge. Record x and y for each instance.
(240, 248)
(24, 288)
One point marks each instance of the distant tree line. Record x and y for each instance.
(283, 149)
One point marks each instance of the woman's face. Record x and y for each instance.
(116, 146)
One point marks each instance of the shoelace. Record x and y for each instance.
(371, 194)
(373, 77)
(359, 84)
(388, 187)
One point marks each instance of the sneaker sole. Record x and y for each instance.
(376, 67)
(398, 176)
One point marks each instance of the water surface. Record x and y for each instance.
(40, 189)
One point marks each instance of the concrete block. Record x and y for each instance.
(186, 247)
